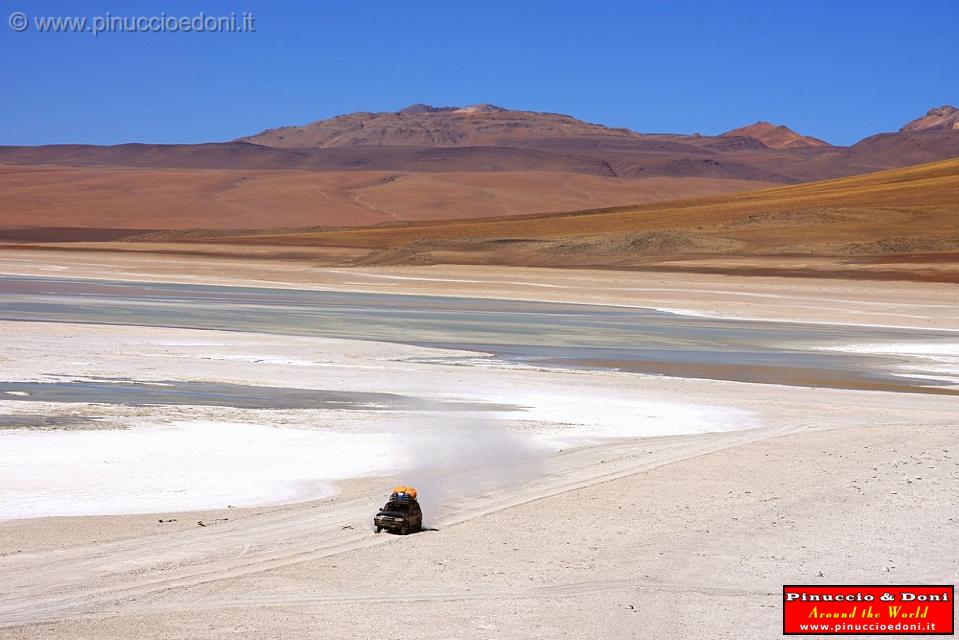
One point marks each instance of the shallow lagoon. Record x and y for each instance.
(531, 333)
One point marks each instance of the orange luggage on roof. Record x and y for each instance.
(404, 489)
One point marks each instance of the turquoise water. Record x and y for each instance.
(223, 394)
(535, 333)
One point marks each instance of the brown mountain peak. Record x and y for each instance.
(944, 117)
(775, 136)
(423, 125)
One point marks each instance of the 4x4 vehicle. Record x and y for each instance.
(402, 514)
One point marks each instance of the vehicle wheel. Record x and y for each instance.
(378, 529)
(404, 531)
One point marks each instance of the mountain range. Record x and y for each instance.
(427, 163)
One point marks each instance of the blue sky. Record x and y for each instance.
(837, 70)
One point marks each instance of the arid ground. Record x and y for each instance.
(605, 502)
(640, 380)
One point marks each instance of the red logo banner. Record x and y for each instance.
(868, 610)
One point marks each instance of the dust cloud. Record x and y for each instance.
(453, 456)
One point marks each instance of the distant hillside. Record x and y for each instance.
(481, 125)
(902, 211)
(425, 163)
(485, 138)
(35, 197)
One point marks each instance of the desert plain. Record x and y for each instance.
(561, 501)
(640, 380)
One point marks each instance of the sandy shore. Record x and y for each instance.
(621, 505)
(659, 552)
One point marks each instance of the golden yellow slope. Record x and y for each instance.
(898, 211)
